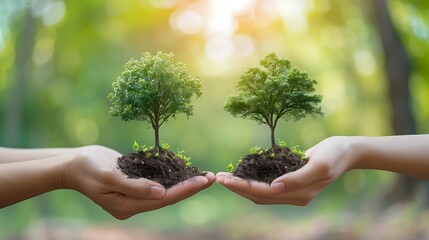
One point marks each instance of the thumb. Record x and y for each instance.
(300, 178)
(139, 188)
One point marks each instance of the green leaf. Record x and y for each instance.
(255, 150)
(136, 146)
(230, 168)
(165, 146)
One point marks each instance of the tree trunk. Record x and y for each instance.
(273, 141)
(15, 102)
(156, 129)
(398, 68)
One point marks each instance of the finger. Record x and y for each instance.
(125, 204)
(140, 188)
(301, 197)
(309, 173)
(211, 179)
(120, 204)
(185, 189)
(263, 199)
(220, 177)
(267, 200)
(254, 187)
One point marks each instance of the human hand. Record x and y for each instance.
(94, 173)
(327, 161)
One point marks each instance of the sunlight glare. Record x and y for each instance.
(221, 26)
(161, 3)
(364, 62)
(187, 21)
(217, 20)
(244, 45)
(219, 48)
(222, 20)
(293, 12)
(51, 12)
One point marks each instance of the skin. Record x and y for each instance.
(90, 170)
(407, 155)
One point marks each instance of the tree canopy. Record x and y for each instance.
(274, 91)
(153, 89)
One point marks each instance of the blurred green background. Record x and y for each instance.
(59, 58)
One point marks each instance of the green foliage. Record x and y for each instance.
(145, 149)
(230, 168)
(165, 146)
(282, 144)
(136, 146)
(295, 149)
(255, 150)
(153, 89)
(274, 91)
(180, 154)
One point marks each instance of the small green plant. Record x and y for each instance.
(282, 144)
(255, 150)
(230, 168)
(136, 146)
(165, 146)
(153, 89)
(295, 149)
(274, 91)
(180, 154)
(145, 149)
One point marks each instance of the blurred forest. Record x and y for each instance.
(59, 58)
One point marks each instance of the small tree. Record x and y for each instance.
(273, 91)
(153, 89)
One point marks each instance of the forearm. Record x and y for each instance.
(9, 155)
(407, 154)
(23, 180)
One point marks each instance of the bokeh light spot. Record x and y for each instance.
(354, 181)
(87, 131)
(364, 62)
(51, 12)
(187, 21)
(43, 50)
(219, 48)
(243, 45)
(199, 210)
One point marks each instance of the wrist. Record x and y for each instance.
(64, 176)
(357, 147)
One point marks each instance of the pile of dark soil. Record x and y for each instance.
(159, 165)
(269, 164)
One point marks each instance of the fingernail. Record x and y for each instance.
(220, 179)
(157, 192)
(277, 187)
(201, 180)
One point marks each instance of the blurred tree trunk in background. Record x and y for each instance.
(16, 98)
(13, 127)
(398, 68)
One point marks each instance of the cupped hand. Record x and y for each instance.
(327, 161)
(94, 173)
